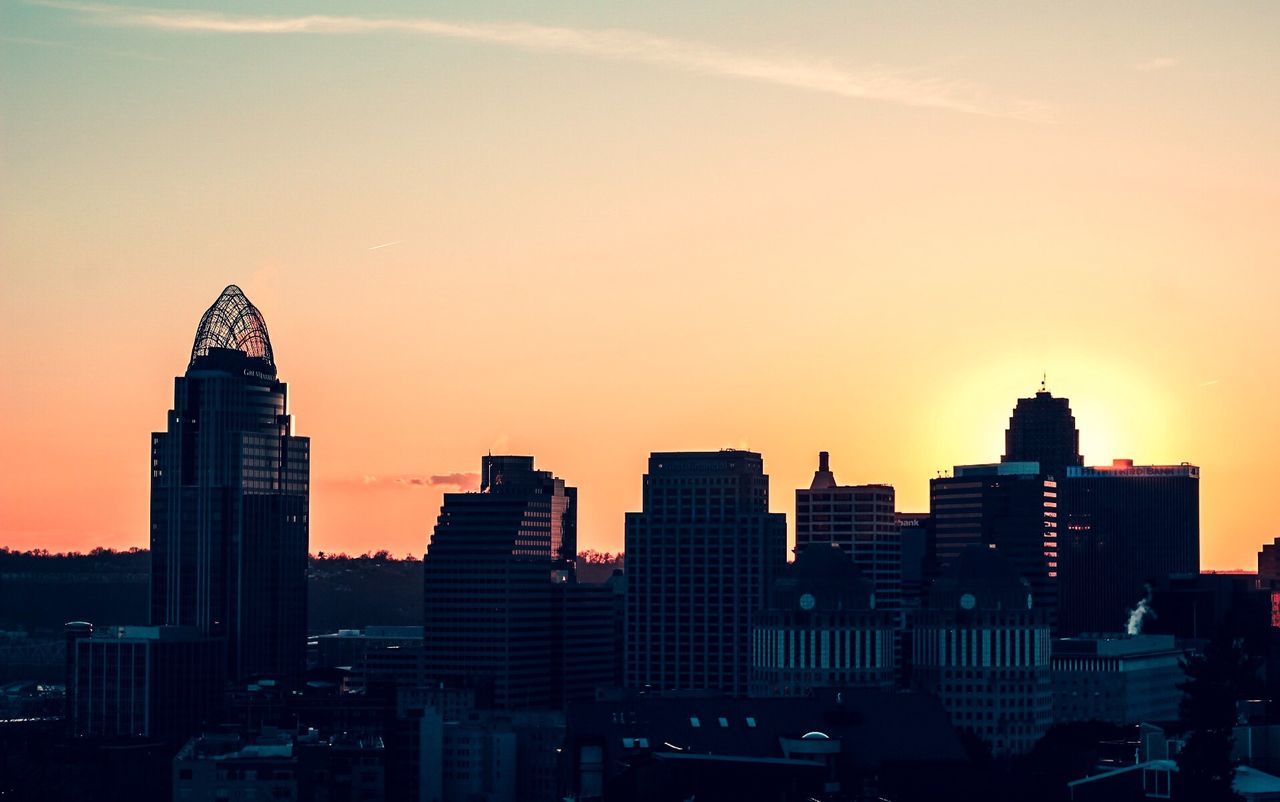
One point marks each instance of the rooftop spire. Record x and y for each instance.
(233, 322)
(823, 478)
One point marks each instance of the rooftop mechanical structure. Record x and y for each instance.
(233, 322)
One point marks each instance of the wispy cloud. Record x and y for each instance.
(460, 480)
(385, 245)
(1160, 63)
(901, 87)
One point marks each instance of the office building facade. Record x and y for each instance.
(229, 499)
(1043, 430)
(701, 558)
(822, 629)
(983, 647)
(1010, 505)
(1127, 527)
(144, 682)
(861, 521)
(1117, 678)
(492, 612)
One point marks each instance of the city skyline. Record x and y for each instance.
(588, 235)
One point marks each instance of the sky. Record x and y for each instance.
(586, 231)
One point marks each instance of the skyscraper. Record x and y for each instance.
(491, 613)
(701, 558)
(1042, 429)
(1010, 505)
(861, 521)
(1126, 527)
(229, 499)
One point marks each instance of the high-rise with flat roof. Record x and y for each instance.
(1010, 505)
(701, 558)
(144, 682)
(860, 521)
(229, 499)
(1127, 527)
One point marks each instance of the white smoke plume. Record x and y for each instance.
(1139, 613)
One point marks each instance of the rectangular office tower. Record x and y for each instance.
(861, 521)
(1127, 527)
(143, 682)
(491, 615)
(229, 499)
(1009, 505)
(701, 558)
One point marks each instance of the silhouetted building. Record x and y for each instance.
(495, 756)
(983, 647)
(281, 765)
(144, 682)
(1118, 678)
(229, 499)
(1269, 561)
(1043, 430)
(861, 743)
(491, 613)
(860, 519)
(349, 647)
(1009, 505)
(585, 639)
(1126, 527)
(822, 629)
(915, 531)
(701, 559)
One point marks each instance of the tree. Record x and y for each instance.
(1208, 716)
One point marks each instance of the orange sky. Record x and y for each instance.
(866, 230)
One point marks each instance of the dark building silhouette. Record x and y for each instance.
(229, 499)
(1269, 561)
(144, 682)
(1042, 429)
(1116, 677)
(1126, 528)
(586, 641)
(860, 520)
(915, 531)
(983, 647)
(494, 611)
(854, 743)
(823, 628)
(1010, 505)
(701, 559)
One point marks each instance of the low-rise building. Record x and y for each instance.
(143, 682)
(281, 765)
(823, 628)
(1118, 678)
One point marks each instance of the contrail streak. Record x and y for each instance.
(875, 83)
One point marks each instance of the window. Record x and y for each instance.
(693, 720)
(751, 722)
(724, 722)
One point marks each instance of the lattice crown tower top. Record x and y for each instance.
(233, 322)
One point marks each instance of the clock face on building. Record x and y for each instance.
(967, 601)
(806, 601)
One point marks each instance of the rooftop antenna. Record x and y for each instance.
(1044, 382)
